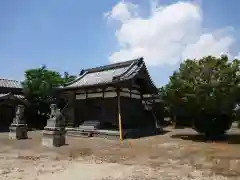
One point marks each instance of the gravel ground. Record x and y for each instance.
(178, 154)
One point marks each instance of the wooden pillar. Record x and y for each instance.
(174, 122)
(119, 117)
(74, 106)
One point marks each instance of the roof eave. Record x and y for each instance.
(10, 95)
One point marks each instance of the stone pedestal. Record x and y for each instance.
(18, 131)
(54, 133)
(53, 137)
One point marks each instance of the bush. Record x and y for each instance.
(212, 125)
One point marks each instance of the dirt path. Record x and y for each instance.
(85, 170)
(180, 154)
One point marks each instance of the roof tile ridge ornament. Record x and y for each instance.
(137, 61)
(81, 75)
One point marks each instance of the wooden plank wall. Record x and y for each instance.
(101, 104)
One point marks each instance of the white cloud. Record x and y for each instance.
(209, 45)
(122, 11)
(238, 56)
(168, 34)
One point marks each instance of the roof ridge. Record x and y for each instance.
(9, 79)
(112, 66)
(77, 78)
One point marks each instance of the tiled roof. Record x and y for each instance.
(109, 74)
(104, 74)
(10, 83)
(98, 77)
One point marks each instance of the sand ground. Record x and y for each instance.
(177, 154)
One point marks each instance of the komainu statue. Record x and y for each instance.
(54, 131)
(56, 118)
(18, 128)
(19, 117)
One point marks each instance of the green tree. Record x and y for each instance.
(39, 86)
(39, 83)
(67, 78)
(205, 92)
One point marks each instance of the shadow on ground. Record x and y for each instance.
(227, 138)
(4, 130)
(147, 134)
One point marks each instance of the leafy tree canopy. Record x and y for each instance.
(205, 89)
(39, 83)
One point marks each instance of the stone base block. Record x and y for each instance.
(18, 132)
(53, 138)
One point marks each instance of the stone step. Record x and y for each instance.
(91, 125)
(78, 133)
(92, 133)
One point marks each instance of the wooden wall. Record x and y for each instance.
(102, 105)
(134, 115)
(104, 110)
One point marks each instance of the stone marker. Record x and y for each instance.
(54, 132)
(18, 128)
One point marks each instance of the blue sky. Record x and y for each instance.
(72, 35)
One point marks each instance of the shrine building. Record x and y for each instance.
(110, 101)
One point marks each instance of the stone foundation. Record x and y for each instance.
(114, 134)
(18, 131)
(53, 138)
